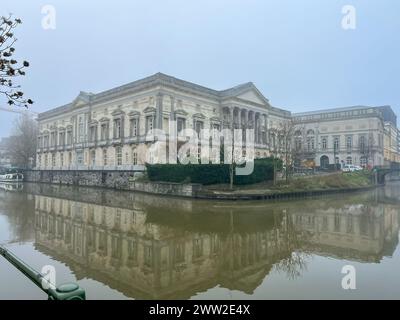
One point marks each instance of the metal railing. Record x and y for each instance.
(69, 291)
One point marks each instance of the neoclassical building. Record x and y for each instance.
(107, 131)
(352, 136)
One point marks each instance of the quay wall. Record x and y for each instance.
(119, 180)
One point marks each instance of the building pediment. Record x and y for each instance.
(81, 100)
(104, 119)
(181, 112)
(252, 96)
(134, 114)
(199, 116)
(149, 110)
(247, 92)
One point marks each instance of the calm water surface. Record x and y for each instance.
(120, 245)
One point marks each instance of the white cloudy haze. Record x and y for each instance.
(296, 52)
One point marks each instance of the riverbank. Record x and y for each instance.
(300, 187)
(295, 188)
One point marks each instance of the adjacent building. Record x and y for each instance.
(107, 130)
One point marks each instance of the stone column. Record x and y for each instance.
(159, 111)
(172, 113)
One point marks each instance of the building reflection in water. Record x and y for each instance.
(160, 248)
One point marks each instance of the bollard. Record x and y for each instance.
(69, 291)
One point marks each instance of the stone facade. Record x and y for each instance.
(107, 131)
(353, 135)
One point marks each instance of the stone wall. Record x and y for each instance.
(119, 180)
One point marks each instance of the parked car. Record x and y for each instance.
(351, 168)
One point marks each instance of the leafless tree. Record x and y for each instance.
(367, 147)
(10, 68)
(22, 143)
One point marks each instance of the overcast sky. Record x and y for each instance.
(295, 51)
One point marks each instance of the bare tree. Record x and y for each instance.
(9, 66)
(22, 144)
(286, 132)
(366, 147)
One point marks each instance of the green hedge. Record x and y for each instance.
(207, 174)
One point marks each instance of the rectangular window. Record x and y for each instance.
(62, 159)
(104, 131)
(134, 127)
(53, 160)
(181, 125)
(81, 130)
(198, 127)
(324, 143)
(149, 123)
(104, 157)
(349, 143)
(79, 157)
(61, 140)
(134, 157)
(69, 137)
(93, 131)
(336, 144)
(117, 128)
(119, 156)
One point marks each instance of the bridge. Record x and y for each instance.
(382, 171)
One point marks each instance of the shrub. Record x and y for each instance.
(207, 174)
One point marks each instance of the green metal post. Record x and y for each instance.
(69, 291)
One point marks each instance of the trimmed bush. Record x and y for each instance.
(207, 174)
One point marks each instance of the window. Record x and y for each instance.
(134, 157)
(198, 127)
(69, 158)
(93, 131)
(39, 160)
(81, 130)
(62, 159)
(53, 160)
(363, 161)
(362, 144)
(46, 160)
(93, 157)
(69, 137)
(349, 143)
(79, 157)
(349, 160)
(104, 157)
(134, 127)
(53, 139)
(197, 248)
(310, 143)
(61, 138)
(181, 124)
(149, 123)
(117, 129)
(336, 144)
(119, 156)
(104, 131)
(324, 143)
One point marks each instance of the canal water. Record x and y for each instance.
(122, 245)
